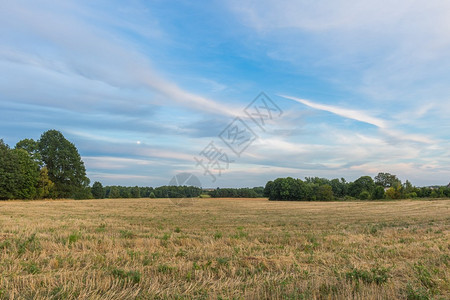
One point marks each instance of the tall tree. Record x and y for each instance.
(32, 147)
(64, 164)
(98, 192)
(363, 183)
(19, 174)
(386, 180)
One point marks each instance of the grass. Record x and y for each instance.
(224, 249)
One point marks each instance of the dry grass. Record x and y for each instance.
(224, 248)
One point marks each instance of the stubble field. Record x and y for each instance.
(224, 249)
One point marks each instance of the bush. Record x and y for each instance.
(378, 193)
(364, 195)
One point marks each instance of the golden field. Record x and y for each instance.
(224, 249)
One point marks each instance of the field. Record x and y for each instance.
(224, 249)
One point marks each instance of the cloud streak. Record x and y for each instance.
(347, 113)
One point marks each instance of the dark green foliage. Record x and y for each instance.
(82, 193)
(364, 188)
(113, 192)
(135, 192)
(64, 164)
(97, 190)
(19, 174)
(237, 193)
(324, 193)
(386, 180)
(364, 195)
(340, 187)
(378, 193)
(363, 183)
(311, 189)
(32, 148)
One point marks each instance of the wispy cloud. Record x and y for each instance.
(347, 113)
(84, 48)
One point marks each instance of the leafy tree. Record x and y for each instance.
(98, 192)
(124, 192)
(378, 193)
(32, 147)
(394, 192)
(363, 183)
(364, 195)
(135, 192)
(19, 174)
(46, 188)
(386, 179)
(114, 192)
(82, 193)
(7, 167)
(324, 193)
(340, 187)
(64, 164)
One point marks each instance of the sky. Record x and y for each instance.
(234, 92)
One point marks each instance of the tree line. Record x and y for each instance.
(51, 167)
(117, 191)
(382, 186)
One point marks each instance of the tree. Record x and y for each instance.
(19, 174)
(32, 147)
(135, 192)
(6, 168)
(114, 192)
(363, 183)
(386, 180)
(46, 188)
(340, 187)
(64, 164)
(324, 193)
(395, 192)
(378, 193)
(98, 192)
(364, 195)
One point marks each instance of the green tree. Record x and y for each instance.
(32, 147)
(363, 183)
(19, 174)
(386, 179)
(64, 164)
(98, 192)
(46, 188)
(395, 191)
(324, 193)
(135, 192)
(340, 187)
(364, 195)
(114, 192)
(378, 193)
(7, 167)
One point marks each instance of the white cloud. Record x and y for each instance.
(347, 113)
(66, 43)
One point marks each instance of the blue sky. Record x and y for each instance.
(143, 87)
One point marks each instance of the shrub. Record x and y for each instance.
(364, 195)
